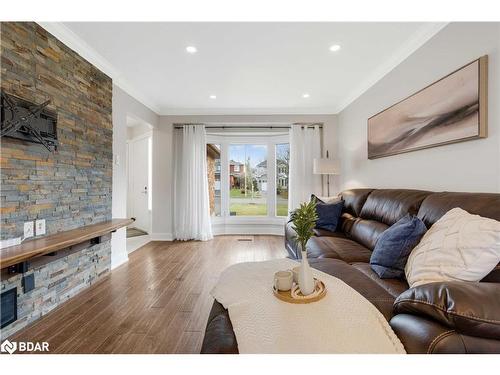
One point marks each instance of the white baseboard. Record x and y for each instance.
(118, 262)
(162, 237)
(134, 243)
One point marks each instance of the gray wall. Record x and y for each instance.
(125, 106)
(468, 166)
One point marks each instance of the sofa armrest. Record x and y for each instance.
(219, 335)
(290, 243)
(420, 335)
(469, 308)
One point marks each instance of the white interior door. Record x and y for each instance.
(138, 182)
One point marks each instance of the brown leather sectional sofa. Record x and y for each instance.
(346, 254)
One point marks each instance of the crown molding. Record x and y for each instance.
(417, 40)
(73, 41)
(246, 111)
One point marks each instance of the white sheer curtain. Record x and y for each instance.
(191, 201)
(305, 145)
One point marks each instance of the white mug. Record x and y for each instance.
(283, 280)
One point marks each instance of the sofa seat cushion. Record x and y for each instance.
(356, 279)
(393, 286)
(337, 248)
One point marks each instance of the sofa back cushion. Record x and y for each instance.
(368, 213)
(390, 205)
(366, 232)
(437, 204)
(354, 200)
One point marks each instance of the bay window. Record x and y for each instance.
(248, 182)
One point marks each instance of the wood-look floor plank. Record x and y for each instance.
(157, 302)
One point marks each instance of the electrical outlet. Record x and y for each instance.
(40, 227)
(28, 229)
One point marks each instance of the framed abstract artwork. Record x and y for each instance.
(452, 109)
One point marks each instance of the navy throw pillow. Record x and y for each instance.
(394, 246)
(328, 214)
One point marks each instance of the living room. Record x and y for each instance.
(280, 186)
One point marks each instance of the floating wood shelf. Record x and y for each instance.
(28, 250)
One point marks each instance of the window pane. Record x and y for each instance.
(282, 163)
(213, 168)
(248, 180)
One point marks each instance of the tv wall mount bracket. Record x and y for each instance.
(23, 117)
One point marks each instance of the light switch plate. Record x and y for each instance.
(28, 229)
(40, 227)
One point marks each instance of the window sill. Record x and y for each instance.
(248, 225)
(262, 220)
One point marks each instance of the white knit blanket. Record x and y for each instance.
(342, 322)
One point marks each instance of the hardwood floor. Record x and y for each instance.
(158, 302)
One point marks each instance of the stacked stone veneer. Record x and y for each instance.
(69, 188)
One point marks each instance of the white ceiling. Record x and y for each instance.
(252, 68)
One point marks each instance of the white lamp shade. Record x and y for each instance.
(326, 166)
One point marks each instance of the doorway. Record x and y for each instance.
(139, 194)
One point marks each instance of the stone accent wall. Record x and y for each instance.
(68, 188)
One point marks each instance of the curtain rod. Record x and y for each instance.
(251, 127)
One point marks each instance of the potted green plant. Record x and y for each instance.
(304, 220)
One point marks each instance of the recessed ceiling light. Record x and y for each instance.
(213, 97)
(334, 47)
(306, 95)
(191, 49)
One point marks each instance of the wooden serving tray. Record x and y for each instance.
(287, 296)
